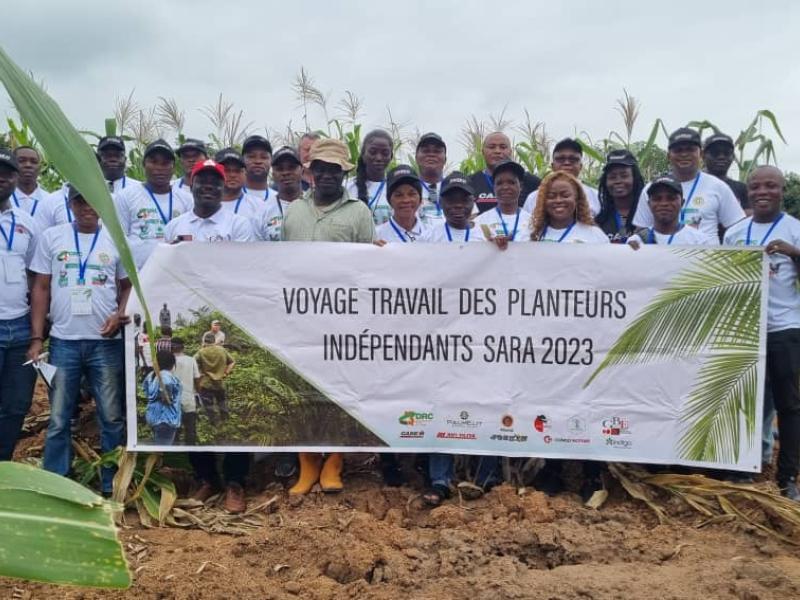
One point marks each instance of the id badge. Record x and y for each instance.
(81, 301)
(14, 269)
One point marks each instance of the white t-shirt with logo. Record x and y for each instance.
(186, 370)
(685, 236)
(262, 195)
(437, 234)
(269, 227)
(431, 212)
(579, 234)
(783, 305)
(591, 196)
(29, 203)
(15, 261)
(55, 210)
(392, 231)
(57, 256)
(222, 226)
(142, 221)
(376, 199)
(181, 188)
(712, 204)
(248, 207)
(495, 221)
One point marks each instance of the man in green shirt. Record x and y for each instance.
(215, 364)
(326, 214)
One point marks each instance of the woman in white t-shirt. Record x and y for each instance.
(506, 219)
(369, 186)
(562, 213)
(404, 191)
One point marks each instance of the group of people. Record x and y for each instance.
(64, 280)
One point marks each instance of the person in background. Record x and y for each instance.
(219, 335)
(28, 196)
(215, 364)
(496, 148)
(507, 219)
(718, 152)
(328, 214)
(457, 201)
(257, 153)
(188, 373)
(431, 157)
(287, 172)
(779, 235)
(568, 158)
(709, 205)
(233, 198)
(303, 152)
(164, 317)
(621, 184)
(164, 343)
(18, 239)
(665, 195)
(81, 283)
(163, 412)
(145, 210)
(562, 213)
(189, 153)
(141, 344)
(369, 184)
(404, 191)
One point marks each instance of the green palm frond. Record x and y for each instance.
(726, 387)
(716, 303)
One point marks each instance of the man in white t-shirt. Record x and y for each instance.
(665, 196)
(457, 201)
(234, 199)
(431, 157)
(80, 281)
(568, 157)
(189, 153)
(17, 242)
(207, 221)
(708, 202)
(187, 371)
(287, 172)
(779, 234)
(145, 209)
(257, 153)
(28, 196)
(219, 335)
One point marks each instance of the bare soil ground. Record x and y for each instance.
(375, 542)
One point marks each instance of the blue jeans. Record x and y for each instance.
(101, 361)
(164, 435)
(16, 381)
(440, 469)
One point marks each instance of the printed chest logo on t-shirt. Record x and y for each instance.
(70, 260)
(691, 214)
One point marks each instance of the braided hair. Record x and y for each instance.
(607, 207)
(361, 166)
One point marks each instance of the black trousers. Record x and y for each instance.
(235, 466)
(783, 371)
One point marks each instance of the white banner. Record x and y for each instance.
(565, 351)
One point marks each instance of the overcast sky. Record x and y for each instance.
(435, 64)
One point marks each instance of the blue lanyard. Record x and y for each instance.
(66, 207)
(651, 237)
(450, 237)
(563, 235)
(82, 264)
(35, 203)
(689, 197)
(238, 202)
(400, 233)
(503, 223)
(428, 189)
(180, 185)
(124, 181)
(769, 231)
(618, 219)
(375, 195)
(164, 219)
(266, 194)
(10, 236)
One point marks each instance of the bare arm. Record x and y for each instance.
(40, 304)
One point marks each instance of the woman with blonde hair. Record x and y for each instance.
(562, 212)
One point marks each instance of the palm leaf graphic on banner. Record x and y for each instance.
(712, 308)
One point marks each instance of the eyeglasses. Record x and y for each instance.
(569, 159)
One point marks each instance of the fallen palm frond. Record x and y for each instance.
(719, 501)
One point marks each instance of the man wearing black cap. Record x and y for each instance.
(257, 153)
(431, 156)
(145, 210)
(234, 199)
(287, 172)
(189, 153)
(507, 219)
(81, 283)
(568, 157)
(665, 196)
(718, 157)
(404, 194)
(497, 148)
(458, 202)
(708, 203)
(17, 242)
(28, 196)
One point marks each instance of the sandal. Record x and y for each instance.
(470, 491)
(435, 494)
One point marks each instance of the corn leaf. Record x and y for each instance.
(56, 531)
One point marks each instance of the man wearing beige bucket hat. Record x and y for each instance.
(326, 214)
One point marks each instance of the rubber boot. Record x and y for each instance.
(310, 464)
(330, 480)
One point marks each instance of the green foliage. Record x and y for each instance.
(791, 195)
(56, 531)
